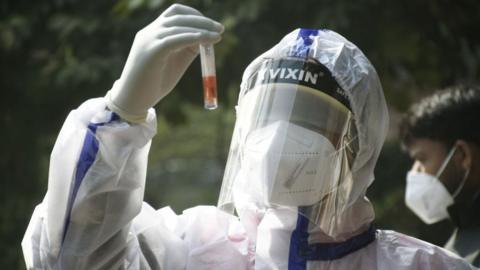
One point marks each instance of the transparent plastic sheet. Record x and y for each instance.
(294, 142)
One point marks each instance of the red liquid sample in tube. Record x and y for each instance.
(210, 92)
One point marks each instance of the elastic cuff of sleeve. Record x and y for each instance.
(129, 117)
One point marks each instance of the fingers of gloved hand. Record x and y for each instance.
(178, 9)
(202, 36)
(183, 39)
(193, 21)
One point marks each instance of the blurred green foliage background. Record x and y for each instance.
(54, 54)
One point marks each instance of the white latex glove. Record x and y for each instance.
(160, 55)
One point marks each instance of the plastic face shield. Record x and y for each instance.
(294, 139)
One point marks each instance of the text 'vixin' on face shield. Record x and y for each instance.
(294, 139)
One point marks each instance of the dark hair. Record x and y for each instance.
(446, 116)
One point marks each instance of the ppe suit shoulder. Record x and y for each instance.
(400, 251)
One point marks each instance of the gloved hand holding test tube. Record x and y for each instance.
(207, 59)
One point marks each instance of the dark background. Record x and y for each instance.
(56, 54)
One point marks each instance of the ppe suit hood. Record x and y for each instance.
(359, 83)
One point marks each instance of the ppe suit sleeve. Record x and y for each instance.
(95, 189)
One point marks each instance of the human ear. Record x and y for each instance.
(464, 156)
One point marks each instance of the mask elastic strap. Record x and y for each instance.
(464, 180)
(445, 163)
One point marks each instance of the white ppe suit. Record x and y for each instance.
(93, 215)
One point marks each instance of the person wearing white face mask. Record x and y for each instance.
(441, 134)
(311, 121)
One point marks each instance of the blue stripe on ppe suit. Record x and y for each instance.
(301, 251)
(85, 161)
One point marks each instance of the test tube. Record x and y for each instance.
(209, 77)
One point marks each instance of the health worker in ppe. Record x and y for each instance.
(441, 135)
(311, 120)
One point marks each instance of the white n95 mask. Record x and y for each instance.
(427, 197)
(289, 165)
